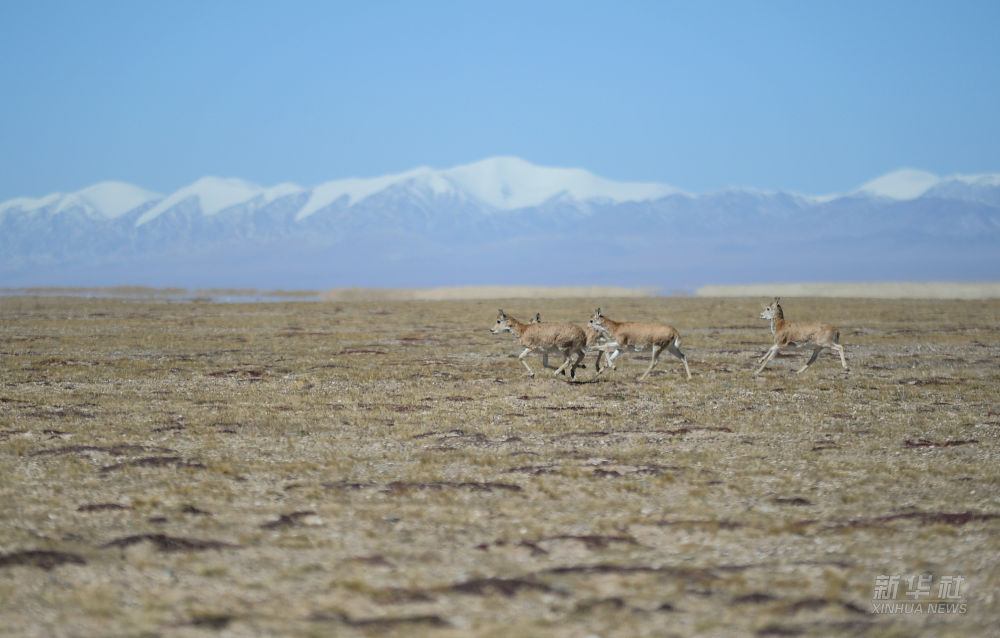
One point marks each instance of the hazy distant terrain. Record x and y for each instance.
(900, 290)
(500, 221)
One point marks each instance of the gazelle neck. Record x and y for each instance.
(777, 319)
(516, 326)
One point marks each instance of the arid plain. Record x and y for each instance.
(386, 467)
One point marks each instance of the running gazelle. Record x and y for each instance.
(547, 337)
(797, 334)
(595, 341)
(637, 335)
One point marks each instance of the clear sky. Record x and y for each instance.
(809, 96)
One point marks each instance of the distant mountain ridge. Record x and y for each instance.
(501, 220)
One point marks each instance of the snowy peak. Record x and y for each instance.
(905, 183)
(501, 183)
(508, 183)
(108, 200)
(354, 189)
(215, 194)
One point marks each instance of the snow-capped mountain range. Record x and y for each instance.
(500, 220)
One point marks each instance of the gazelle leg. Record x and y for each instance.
(840, 350)
(616, 352)
(652, 361)
(524, 354)
(674, 350)
(565, 364)
(581, 353)
(545, 360)
(815, 354)
(767, 357)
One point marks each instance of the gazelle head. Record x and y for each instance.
(597, 323)
(502, 325)
(771, 311)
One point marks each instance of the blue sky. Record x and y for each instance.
(809, 96)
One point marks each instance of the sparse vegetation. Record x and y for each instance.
(386, 467)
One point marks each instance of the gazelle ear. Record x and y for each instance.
(500, 313)
(538, 317)
(776, 300)
(597, 313)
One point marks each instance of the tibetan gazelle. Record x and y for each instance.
(547, 337)
(799, 334)
(637, 336)
(595, 341)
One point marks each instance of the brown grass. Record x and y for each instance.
(387, 468)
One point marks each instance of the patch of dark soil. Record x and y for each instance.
(168, 544)
(113, 450)
(686, 430)
(191, 509)
(361, 351)
(611, 603)
(525, 397)
(382, 624)
(153, 461)
(218, 622)
(711, 524)
(813, 604)
(688, 574)
(929, 443)
(922, 518)
(536, 550)
(791, 500)
(930, 381)
(535, 470)
(168, 428)
(779, 630)
(40, 558)
(405, 486)
(824, 445)
(754, 598)
(250, 373)
(401, 596)
(288, 520)
(344, 485)
(375, 559)
(101, 507)
(454, 434)
(503, 586)
(573, 435)
(591, 541)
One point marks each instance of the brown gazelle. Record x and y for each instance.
(797, 334)
(637, 336)
(595, 341)
(547, 337)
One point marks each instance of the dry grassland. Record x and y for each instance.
(387, 468)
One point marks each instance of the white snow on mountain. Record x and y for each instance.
(498, 183)
(216, 194)
(508, 183)
(905, 183)
(982, 179)
(106, 199)
(109, 199)
(356, 189)
(503, 183)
